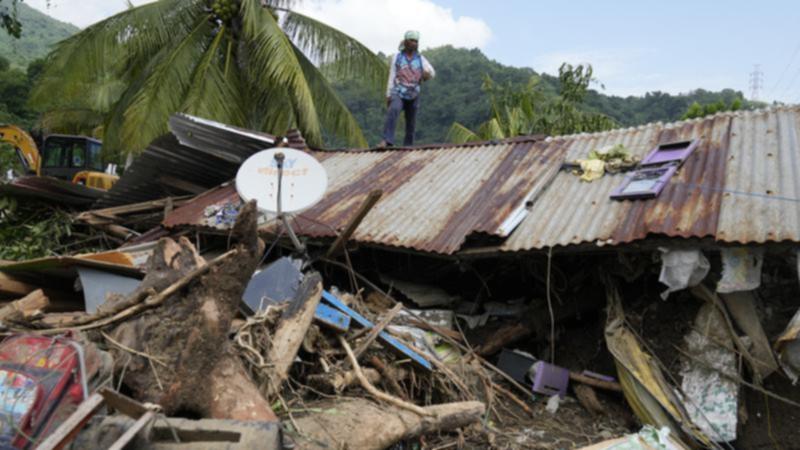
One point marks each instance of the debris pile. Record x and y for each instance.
(205, 323)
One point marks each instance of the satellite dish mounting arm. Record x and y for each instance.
(279, 157)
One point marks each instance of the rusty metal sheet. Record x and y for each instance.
(761, 201)
(201, 210)
(51, 190)
(197, 152)
(433, 199)
(742, 184)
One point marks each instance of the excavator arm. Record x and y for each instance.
(24, 144)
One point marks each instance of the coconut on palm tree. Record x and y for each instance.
(251, 63)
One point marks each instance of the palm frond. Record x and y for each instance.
(107, 45)
(211, 93)
(164, 88)
(272, 64)
(333, 113)
(459, 134)
(492, 129)
(340, 54)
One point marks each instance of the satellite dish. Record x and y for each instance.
(304, 180)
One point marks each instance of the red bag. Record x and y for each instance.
(42, 381)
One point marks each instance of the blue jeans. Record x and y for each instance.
(396, 105)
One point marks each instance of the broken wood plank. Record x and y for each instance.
(26, 307)
(13, 286)
(704, 293)
(113, 213)
(502, 338)
(68, 429)
(377, 329)
(366, 206)
(123, 403)
(291, 330)
(742, 306)
(594, 382)
(131, 432)
(393, 343)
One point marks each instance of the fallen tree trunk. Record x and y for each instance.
(187, 333)
(359, 424)
(291, 330)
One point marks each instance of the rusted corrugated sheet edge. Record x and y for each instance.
(743, 186)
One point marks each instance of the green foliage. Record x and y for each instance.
(38, 35)
(9, 19)
(9, 160)
(697, 110)
(15, 87)
(455, 95)
(31, 230)
(526, 111)
(226, 60)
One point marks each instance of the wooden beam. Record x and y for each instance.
(12, 286)
(131, 432)
(68, 429)
(369, 202)
(113, 213)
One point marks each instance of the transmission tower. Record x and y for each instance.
(756, 82)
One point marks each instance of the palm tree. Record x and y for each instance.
(251, 63)
(524, 111)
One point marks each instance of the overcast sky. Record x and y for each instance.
(635, 46)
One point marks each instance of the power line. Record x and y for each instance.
(785, 70)
(791, 84)
(756, 82)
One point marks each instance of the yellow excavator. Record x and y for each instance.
(67, 157)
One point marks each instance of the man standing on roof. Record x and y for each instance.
(408, 69)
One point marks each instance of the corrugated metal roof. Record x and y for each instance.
(52, 190)
(200, 152)
(200, 210)
(761, 201)
(742, 184)
(432, 199)
(721, 190)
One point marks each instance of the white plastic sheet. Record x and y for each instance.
(681, 269)
(741, 269)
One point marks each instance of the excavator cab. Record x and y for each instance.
(76, 159)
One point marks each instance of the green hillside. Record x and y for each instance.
(455, 96)
(39, 33)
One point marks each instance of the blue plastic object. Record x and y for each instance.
(400, 348)
(332, 318)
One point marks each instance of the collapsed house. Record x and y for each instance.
(657, 287)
